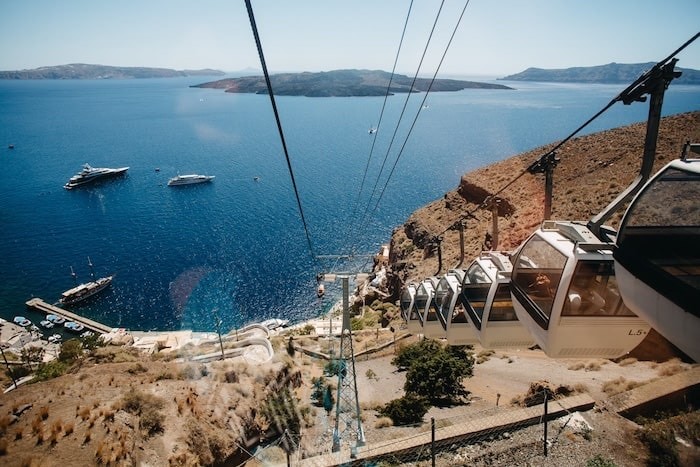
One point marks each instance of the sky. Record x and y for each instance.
(495, 37)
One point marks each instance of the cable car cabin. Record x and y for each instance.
(450, 312)
(487, 301)
(657, 258)
(430, 325)
(406, 301)
(565, 293)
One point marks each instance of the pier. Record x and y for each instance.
(41, 306)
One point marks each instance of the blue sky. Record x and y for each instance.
(495, 38)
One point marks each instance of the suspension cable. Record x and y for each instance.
(403, 110)
(251, 16)
(631, 93)
(425, 97)
(381, 115)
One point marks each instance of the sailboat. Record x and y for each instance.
(85, 290)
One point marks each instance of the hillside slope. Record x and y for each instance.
(592, 171)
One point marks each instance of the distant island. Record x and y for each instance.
(612, 73)
(86, 71)
(341, 83)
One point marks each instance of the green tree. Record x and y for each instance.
(436, 371)
(328, 400)
(71, 350)
(32, 355)
(318, 385)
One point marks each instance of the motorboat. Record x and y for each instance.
(55, 319)
(46, 324)
(55, 339)
(22, 321)
(275, 323)
(87, 334)
(72, 326)
(90, 174)
(189, 179)
(85, 290)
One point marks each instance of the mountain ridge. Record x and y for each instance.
(90, 71)
(611, 73)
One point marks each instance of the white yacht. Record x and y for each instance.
(89, 174)
(189, 179)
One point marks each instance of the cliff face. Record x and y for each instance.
(592, 171)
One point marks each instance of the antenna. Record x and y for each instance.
(92, 272)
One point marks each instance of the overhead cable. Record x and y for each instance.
(251, 16)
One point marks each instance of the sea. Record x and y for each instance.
(239, 250)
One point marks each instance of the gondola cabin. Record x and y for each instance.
(485, 294)
(565, 293)
(450, 311)
(430, 326)
(408, 294)
(657, 259)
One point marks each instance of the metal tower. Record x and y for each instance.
(348, 424)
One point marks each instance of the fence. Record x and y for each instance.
(482, 436)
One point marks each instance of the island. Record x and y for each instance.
(342, 83)
(87, 71)
(612, 73)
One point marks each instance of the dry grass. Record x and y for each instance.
(628, 361)
(618, 385)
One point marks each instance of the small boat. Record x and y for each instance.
(46, 324)
(55, 319)
(10, 146)
(56, 338)
(87, 334)
(72, 326)
(320, 292)
(90, 174)
(22, 321)
(372, 130)
(275, 323)
(189, 179)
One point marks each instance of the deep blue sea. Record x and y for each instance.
(236, 248)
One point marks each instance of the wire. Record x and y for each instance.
(629, 94)
(425, 97)
(403, 110)
(374, 139)
(251, 16)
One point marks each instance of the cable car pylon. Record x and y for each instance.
(348, 423)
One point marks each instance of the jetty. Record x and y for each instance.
(41, 306)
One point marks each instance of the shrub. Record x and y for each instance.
(151, 421)
(406, 410)
(599, 461)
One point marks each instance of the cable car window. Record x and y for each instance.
(420, 301)
(443, 298)
(502, 306)
(475, 290)
(674, 189)
(406, 300)
(537, 274)
(593, 291)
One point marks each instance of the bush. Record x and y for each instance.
(406, 410)
(599, 461)
(71, 350)
(50, 370)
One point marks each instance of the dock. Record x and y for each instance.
(41, 306)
